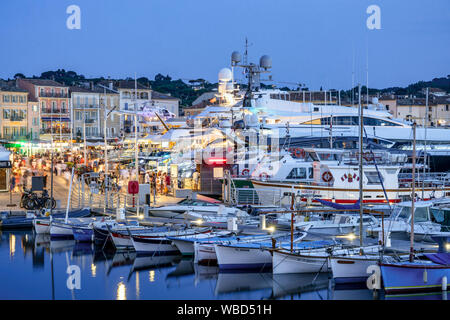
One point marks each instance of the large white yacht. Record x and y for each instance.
(333, 175)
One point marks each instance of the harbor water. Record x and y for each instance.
(33, 267)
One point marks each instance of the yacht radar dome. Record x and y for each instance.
(235, 58)
(265, 62)
(225, 75)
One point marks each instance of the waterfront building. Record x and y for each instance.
(33, 116)
(129, 96)
(53, 101)
(85, 113)
(166, 101)
(14, 124)
(110, 99)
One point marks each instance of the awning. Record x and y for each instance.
(56, 119)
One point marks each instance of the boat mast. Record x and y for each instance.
(425, 123)
(413, 194)
(361, 123)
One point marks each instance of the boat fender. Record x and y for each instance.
(425, 276)
(444, 283)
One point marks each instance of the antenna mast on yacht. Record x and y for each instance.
(367, 70)
(425, 123)
(361, 123)
(413, 194)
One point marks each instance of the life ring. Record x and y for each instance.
(327, 176)
(299, 153)
(245, 172)
(264, 175)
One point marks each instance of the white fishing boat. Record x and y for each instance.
(63, 228)
(185, 244)
(315, 261)
(205, 252)
(257, 256)
(339, 224)
(41, 225)
(120, 234)
(160, 245)
(176, 211)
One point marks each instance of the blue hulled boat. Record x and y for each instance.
(429, 274)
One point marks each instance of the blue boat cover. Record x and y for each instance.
(339, 206)
(439, 258)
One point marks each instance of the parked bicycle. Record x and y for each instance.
(34, 201)
(26, 195)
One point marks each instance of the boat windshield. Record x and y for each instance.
(420, 214)
(191, 202)
(327, 156)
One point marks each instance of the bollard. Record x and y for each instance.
(232, 224)
(262, 221)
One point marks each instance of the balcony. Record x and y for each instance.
(16, 118)
(86, 106)
(54, 111)
(12, 137)
(53, 95)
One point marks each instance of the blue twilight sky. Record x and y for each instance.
(316, 42)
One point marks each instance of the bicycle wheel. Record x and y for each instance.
(50, 203)
(30, 204)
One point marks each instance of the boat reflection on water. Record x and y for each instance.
(352, 291)
(303, 285)
(442, 295)
(243, 282)
(141, 263)
(106, 274)
(120, 258)
(184, 268)
(205, 273)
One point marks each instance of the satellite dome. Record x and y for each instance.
(225, 75)
(235, 57)
(265, 62)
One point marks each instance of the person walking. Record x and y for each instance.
(196, 179)
(147, 178)
(167, 183)
(153, 186)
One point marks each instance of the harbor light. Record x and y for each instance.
(350, 236)
(198, 222)
(271, 229)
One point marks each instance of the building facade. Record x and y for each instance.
(53, 101)
(14, 124)
(131, 95)
(166, 101)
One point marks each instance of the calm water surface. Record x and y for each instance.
(33, 267)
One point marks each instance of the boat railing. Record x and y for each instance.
(253, 196)
(428, 179)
